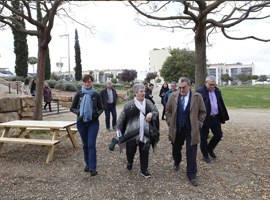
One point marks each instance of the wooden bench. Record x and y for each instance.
(61, 138)
(50, 143)
(74, 130)
(60, 131)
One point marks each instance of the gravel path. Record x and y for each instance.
(241, 171)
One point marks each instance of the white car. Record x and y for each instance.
(6, 73)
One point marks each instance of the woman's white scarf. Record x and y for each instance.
(141, 107)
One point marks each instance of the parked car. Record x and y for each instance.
(32, 74)
(6, 73)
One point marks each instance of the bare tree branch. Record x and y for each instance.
(243, 38)
(156, 17)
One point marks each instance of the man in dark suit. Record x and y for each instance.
(185, 113)
(109, 99)
(216, 115)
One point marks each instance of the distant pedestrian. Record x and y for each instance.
(109, 99)
(168, 93)
(47, 94)
(148, 93)
(33, 87)
(26, 87)
(162, 94)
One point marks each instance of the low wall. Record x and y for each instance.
(14, 107)
(17, 107)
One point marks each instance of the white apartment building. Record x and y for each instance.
(232, 69)
(156, 59)
(101, 76)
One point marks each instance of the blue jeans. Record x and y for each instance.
(88, 132)
(110, 109)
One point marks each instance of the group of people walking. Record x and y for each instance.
(190, 115)
(30, 88)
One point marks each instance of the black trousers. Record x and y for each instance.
(131, 148)
(191, 152)
(48, 103)
(213, 124)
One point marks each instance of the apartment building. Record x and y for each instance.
(232, 69)
(156, 59)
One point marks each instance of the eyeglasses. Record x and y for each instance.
(182, 88)
(212, 85)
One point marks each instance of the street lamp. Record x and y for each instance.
(67, 35)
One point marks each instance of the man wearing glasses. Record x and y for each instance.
(185, 113)
(216, 114)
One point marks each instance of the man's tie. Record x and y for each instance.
(183, 102)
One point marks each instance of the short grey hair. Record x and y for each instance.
(173, 82)
(184, 79)
(138, 87)
(210, 78)
(108, 81)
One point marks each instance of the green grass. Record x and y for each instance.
(247, 96)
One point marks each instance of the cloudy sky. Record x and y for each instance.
(119, 42)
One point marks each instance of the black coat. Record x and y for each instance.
(222, 111)
(97, 105)
(104, 97)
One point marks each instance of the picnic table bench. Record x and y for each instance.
(27, 127)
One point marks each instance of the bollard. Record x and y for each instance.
(9, 91)
(58, 107)
(17, 84)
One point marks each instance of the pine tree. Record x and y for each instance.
(20, 47)
(78, 67)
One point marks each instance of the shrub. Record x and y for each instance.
(52, 83)
(70, 87)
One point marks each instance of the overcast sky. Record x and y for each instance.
(119, 42)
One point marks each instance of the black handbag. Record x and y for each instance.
(153, 133)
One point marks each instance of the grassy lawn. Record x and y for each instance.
(251, 96)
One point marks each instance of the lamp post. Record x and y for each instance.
(67, 35)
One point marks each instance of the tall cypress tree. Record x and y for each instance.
(20, 46)
(47, 59)
(78, 67)
(48, 66)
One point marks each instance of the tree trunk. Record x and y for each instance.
(200, 56)
(40, 79)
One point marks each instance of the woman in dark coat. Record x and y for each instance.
(87, 105)
(133, 127)
(164, 89)
(33, 88)
(47, 94)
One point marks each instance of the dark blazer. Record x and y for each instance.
(104, 97)
(97, 105)
(148, 95)
(222, 111)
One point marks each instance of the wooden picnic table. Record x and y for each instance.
(28, 126)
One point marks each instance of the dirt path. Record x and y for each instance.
(241, 171)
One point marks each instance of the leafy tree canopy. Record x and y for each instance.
(128, 75)
(262, 78)
(150, 76)
(226, 77)
(244, 77)
(180, 63)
